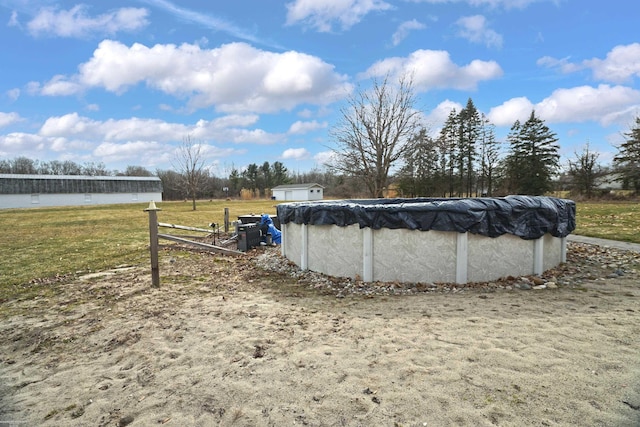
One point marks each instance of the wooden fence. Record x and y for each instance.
(154, 236)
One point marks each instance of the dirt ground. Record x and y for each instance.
(233, 342)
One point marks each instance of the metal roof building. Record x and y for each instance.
(25, 191)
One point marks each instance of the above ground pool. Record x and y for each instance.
(428, 240)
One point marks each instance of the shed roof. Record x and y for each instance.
(297, 186)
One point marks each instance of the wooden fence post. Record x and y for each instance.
(153, 243)
(226, 220)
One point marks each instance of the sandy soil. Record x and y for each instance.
(223, 342)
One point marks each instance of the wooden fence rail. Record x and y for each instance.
(183, 227)
(152, 210)
(205, 246)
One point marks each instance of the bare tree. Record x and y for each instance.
(189, 163)
(375, 132)
(489, 153)
(584, 171)
(136, 171)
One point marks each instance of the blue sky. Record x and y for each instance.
(124, 83)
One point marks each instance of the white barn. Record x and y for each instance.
(297, 192)
(27, 191)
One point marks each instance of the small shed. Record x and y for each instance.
(298, 192)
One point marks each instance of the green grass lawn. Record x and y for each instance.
(612, 220)
(46, 242)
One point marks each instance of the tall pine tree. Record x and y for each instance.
(533, 157)
(469, 134)
(420, 174)
(628, 158)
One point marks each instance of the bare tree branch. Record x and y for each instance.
(375, 132)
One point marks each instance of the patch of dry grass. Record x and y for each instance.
(55, 242)
(609, 220)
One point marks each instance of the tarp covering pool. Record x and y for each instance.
(528, 217)
(428, 240)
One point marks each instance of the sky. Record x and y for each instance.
(125, 83)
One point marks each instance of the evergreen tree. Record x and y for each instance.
(266, 182)
(448, 148)
(627, 160)
(279, 174)
(533, 157)
(469, 133)
(235, 182)
(419, 175)
(250, 176)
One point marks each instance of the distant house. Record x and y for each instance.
(298, 192)
(25, 191)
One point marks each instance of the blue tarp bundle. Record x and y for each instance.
(528, 217)
(276, 235)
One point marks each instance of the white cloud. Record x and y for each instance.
(57, 86)
(234, 77)
(620, 65)
(255, 136)
(295, 154)
(324, 157)
(13, 94)
(8, 118)
(301, 127)
(147, 142)
(510, 111)
(475, 29)
(112, 130)
(65, 145)
(587, 103)
(436, 117)
(235, 120)
(129, 150)
(404, 29)
(76, 22)
(152, 153)
(434, 69)
(20, 142)
(603, 104)
(224, 129)
(322, 14)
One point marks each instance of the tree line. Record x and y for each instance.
(381, 142)
(465, 159)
